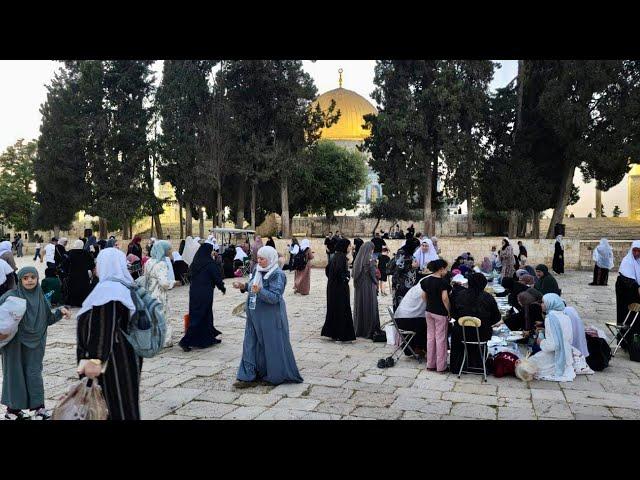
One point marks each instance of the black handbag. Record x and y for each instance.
(599, 353)
(380, 336)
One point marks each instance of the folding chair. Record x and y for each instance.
(616, 330)
(482, 347)
(405, 337)
(246, 264)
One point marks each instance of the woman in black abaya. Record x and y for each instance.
(205, 275)
(338, 323)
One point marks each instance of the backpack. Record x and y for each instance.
(147, 327)
(599, 353)
(300, 260)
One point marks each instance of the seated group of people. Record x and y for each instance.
(560, 347)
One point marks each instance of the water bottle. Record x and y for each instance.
(252, 301)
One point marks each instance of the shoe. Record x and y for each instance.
(185, 348)
(390, 362)
(240, 384)
(382, 363)
(17, 416)
(42, 414)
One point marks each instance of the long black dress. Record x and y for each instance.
(338, 323)
(558, 258)
(626, 294)
(77, 283)
(99, 336)
(485, 308)
(205, 275)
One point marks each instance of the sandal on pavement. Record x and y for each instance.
(20, 415)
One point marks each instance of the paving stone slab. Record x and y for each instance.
(472, 410)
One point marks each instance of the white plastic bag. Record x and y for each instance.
(11, 312)
(393, 337)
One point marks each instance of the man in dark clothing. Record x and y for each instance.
(411, 230)
(377, 245)
(330, 244)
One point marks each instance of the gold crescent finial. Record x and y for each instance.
(340, 77)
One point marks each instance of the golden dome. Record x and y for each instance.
(352, 108)
(635, 170)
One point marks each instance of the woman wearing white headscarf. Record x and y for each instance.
(103, 351)
(159, 279)
(267, 355)
(558, 360)
(302, 278)
(425, 253)
(7, 255)
(602, 262)
(558, 255)
(628, 283)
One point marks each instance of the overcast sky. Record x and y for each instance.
(22, 91)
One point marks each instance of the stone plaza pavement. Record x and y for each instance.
(341, 381)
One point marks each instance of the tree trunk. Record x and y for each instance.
(284, 199)
(253, 206)
(158, 226)
(469, 215)
(131, 228)
(563, 198)
(220, 208)
(188, 225)
(56, 231)
(201, 224)
(104, 232)
(125, 230)
(240, 212)
(598, 203)
(428, 212)
(536, 225)
(180, 220)
(373, 233)
(513, 224)
(151, 234)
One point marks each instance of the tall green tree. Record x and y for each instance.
(181, 101)
(17, 200)
(60, 167)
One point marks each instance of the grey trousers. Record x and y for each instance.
(22, 383)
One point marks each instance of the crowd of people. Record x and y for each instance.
(427, 293)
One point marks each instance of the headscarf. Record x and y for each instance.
(555, 306)
(459, 279)
(111, 267)
(579, 338)
(423, 258)
(260, 273)
(63, 241)
(240, 254)
(543, 268)
(559, 240)
(521, 273)
(5, 247)
(202, 258)
(5, 269)
(434, 242)
(34, 322)
(363, 261)
(342, 245)
(160, 249)
(508, 243)
(77, 245)
(527, 279)
(304, 244)
(526, 298)
(630, 266)
(102, 243)
(294, 249)
(477, 283)
(176, 256)
(603, 254)
(486, 266)
(111, 243)
(136, 240)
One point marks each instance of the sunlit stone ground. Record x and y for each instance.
(341, 381)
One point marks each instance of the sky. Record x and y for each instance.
(23, 90)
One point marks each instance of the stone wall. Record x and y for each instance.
(577, 253)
